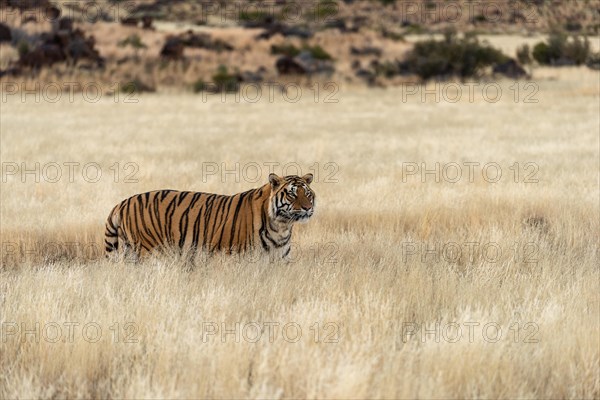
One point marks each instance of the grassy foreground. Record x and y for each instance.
(404, 284)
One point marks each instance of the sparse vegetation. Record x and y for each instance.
(524, 55)
(136, 86)
(559, 50)
(135, 42)
(464, 57)
(23, 48)
(222, 81)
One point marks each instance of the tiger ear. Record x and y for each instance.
(274, 180)
(308, 178)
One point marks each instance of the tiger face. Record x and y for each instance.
(292, 199)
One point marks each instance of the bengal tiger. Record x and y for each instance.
(258, 219)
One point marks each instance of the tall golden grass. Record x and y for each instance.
(371, 305)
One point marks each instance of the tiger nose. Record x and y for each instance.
(306, 208)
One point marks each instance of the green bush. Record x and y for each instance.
(134, 41)
(559, 50)
(136, 86)
(463, 57)
(318, 53)
(254, 16)
(524, 54)
(225, 81)
(222, 81)
(326, 9)
(199, 86)
(23, 48)
(285, 49)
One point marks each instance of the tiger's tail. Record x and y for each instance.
(111, 233)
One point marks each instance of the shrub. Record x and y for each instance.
(463, 57)
(23, 48)
(318, 53)
(199, 86)
(134, 41)
(285, 49)
(593, 61)
(524, 54)
(254, 16)
(326, 9)
(222, 81)
(136, 86)
(559, 50)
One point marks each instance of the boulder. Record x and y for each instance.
(303, 63)
(5, 33)
(173, 48)
(289, 66)
(285, 31)
(367, 75)
(366, 51)
(511, 69)
(204, 41)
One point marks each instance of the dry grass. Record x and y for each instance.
(365, 221)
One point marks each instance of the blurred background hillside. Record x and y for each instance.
(218, 45)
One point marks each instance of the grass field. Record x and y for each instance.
(402, 285)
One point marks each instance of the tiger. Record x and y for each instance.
(259, 219)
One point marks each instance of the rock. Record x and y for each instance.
(147, 22)
(303, 63)
(511, 69)
(80, 47)
(265, 21)
(45, 55)
(173, 48)
(12, 71)
(366, 51)
(367, 75)
(5, 33)
(286, 31)
(62, 45)
(129, 21)
(204, 41)
(339, 24)
(253, 77)
(52, 13)
(594, 62)
(289, 66)
(65, 24)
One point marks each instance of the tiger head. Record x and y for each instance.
(291, 198)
